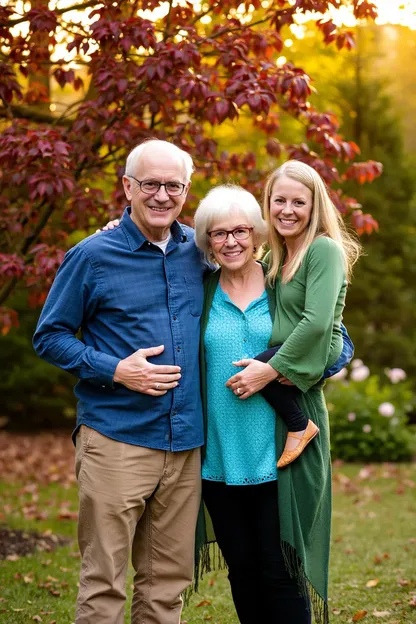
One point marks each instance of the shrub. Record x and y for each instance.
(369, 416)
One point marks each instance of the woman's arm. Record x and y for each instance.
(304, 355)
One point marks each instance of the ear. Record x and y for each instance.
(127, 184)
(187, 187)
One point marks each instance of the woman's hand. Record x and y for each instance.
(109, 226)
(253, 378)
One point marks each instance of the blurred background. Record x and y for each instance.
(242, 86)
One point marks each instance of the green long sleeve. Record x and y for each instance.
(309, 314)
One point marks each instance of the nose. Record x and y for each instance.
(230, 240)
(287, 208)
(162, 195)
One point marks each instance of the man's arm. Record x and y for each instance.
(72, 300)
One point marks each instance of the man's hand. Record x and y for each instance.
(253, 378)
(137, 374)
(109, 226)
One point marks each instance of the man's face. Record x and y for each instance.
(154, 213)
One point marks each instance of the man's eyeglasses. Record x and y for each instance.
(240, 233)
(151, 187)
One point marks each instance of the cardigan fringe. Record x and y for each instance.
(210, 559)
(306, 590)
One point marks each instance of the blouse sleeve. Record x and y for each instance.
(304, 355)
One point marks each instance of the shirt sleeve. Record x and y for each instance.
(72, 300)
(304, 355)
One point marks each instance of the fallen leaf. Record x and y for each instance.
(37, 618)
(28, 579)
(359, 615)
(204, 603)
(372, 583)
(337, 611)
(12, 557)
(381, 613)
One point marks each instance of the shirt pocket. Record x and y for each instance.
(195, 292)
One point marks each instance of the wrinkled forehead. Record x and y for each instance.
(159, 162)
(233, 217)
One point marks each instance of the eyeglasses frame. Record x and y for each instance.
(140, 182)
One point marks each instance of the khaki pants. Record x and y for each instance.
(140, 502)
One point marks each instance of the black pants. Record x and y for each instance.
(246, 524)
(283, 398)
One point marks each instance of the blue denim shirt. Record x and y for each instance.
(123, 293)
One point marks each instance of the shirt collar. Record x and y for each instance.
(135, 237)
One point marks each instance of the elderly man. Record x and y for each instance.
(136, 294)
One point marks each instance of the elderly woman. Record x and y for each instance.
(273, 529)
(239, 468)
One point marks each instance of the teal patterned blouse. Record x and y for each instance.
(240, 446)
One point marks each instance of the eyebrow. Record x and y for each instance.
(283, 196)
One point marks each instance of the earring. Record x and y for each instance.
(254, 249)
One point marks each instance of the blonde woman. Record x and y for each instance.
(309, 266)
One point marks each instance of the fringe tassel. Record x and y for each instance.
(210, 558)
(295, 568)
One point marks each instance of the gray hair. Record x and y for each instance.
(219, 202)
(137, 153)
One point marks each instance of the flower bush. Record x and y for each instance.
(369, 415)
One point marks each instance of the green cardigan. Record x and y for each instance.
(304, 491)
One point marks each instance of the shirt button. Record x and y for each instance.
(244, 339)
(102, 386)
(178, 348)
(174, 318)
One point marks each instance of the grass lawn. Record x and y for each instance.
(373, 561)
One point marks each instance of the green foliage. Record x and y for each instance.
(34, 393)
(368, 418)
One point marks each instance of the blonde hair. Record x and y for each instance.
(219, 203)
(325, 221)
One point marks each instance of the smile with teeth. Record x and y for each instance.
(287, 221)
(156, 209)
(231, 254)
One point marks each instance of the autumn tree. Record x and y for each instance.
(78, 91)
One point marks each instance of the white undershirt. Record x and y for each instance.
(163, 243)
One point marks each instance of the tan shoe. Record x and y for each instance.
(288, 457)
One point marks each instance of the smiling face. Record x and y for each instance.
(154, 214)
(233, 255)
(290, 208)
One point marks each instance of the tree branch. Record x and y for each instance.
(25, 112)
(75, 7)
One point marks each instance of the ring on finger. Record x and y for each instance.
(238, 390)
(157, 386)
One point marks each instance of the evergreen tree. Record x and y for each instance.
(381, 311)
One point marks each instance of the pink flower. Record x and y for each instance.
(395, 374)
(356, 363)
(359, 373)
(351, 416)
(367, 428)
(386, 409)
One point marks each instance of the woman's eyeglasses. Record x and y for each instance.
(240, 233)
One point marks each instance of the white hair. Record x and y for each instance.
(219, 202)
(138, 152)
